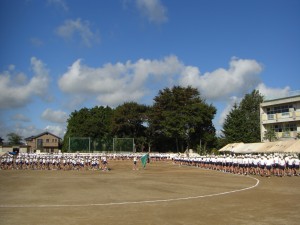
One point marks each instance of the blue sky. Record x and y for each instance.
(58, 56)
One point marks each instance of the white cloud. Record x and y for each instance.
(57, 116)
(23, 130)
(73, 102)
(27, 131)
(269, 93)
(56, 130)
(273, 93)
(71, 28)
(16, 91)
(241, 77)
(154, 10)
(113, 84)
(230, 103)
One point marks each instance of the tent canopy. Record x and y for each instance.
(230, 147)
(260, 147)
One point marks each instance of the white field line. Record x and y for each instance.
(134, 202)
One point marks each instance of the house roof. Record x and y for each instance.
(41, 134)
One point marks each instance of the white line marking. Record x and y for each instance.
(133, 202)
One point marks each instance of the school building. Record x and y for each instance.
(281, 115)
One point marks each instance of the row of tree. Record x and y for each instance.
(12, 139)
(179, 119)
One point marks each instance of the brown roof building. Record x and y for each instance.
(45, 142)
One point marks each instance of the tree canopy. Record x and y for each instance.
(242, 124)
(94, 123)
(178, 119)
(14, 139)
(129, 122)
(179, 114)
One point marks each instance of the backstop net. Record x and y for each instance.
(123, 145)
(79, 144)
(87, 144)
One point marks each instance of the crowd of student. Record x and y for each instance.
(56, 161)
(261, 164)
(249, 164)
(68, 161)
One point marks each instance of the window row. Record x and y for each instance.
(284, 127)
(47, 140)
(280, 109)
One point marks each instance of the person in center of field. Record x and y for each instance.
(135, 167)
(104, 163)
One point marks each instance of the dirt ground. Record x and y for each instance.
(161, 194)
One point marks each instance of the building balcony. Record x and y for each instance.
(280, 117)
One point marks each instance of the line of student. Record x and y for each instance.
(257, 164)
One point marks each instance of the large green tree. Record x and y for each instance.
(242, 124)
(94, 123)
(129, 121)
(181, 118)
(232, 129)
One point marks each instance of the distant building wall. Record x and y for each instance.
(45, 142)
(5, 149)
(281, 115)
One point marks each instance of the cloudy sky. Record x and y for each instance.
(58, 56)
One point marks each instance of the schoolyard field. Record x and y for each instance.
(160, 194)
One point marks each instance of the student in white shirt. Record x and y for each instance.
(135, 167)
(297, 162)
(269, 162)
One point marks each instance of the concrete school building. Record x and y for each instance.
(281, 115)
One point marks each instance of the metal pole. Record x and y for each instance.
(133, 144)
(200, 147)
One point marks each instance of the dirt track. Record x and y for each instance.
(119, 197)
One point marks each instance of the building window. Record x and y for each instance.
(39, 143)
(285, 114)
(291, 127)
(279, 109)
(284, 127)
(47, 140)
(278, 128)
